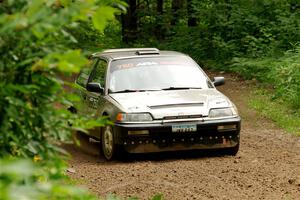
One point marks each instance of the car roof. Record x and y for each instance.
(114, 54)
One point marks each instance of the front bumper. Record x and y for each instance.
(161, 137)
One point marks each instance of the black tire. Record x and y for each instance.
(72, 109)
(232, 151)
(109, 148)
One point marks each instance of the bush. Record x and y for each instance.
(23, 179)
(283, 74)
(36, 50)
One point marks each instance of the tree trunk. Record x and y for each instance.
(176, 5)
(159, 7)
(159, 20)
(191, 13)
(129, 22)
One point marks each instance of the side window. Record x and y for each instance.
(98, 74)
(83, 76)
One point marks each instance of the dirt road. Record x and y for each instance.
(266, 167)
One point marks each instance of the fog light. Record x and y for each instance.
(139, 132)
(231, 127)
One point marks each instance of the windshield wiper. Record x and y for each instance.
(131, 90)
(181, 88)
(122, 91)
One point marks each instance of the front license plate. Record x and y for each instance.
(184, 128)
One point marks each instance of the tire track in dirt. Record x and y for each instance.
(266, 167)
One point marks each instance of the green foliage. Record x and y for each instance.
(276, 110)
(157, 197)
(36, 51)
(226, 29)
(92, 40)
(35, 180)
(102, 15)
(23, 179)
(35, 48)
(282, 73)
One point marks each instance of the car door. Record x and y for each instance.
(81, 81)
(95, 101)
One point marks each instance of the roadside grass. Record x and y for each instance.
(276, 110)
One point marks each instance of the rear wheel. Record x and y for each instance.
(80, 137)
(108, 146)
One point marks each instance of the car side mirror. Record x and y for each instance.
(95, 87)
(218, 81)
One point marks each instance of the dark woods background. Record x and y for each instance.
(222, 29)
(259, 39)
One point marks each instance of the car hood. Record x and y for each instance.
(162, 104)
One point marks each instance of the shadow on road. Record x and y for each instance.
(89, 150)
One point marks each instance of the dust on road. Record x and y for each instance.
(266, 167)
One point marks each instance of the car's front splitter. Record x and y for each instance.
(161, 137)
(151, 145)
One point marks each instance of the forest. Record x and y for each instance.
(42, 41)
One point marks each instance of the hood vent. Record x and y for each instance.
(176, 105)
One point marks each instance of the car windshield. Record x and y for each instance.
(156, 73)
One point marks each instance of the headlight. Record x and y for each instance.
(134, 117)
(221, 112)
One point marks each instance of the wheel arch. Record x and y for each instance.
(72, 109)
(104, 114)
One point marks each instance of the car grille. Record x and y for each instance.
(177, 105)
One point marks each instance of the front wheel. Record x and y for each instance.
(232, 151)
(109, 148)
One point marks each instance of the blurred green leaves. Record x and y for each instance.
(35, 180)
(23, 179)
(102, 15)
(36, 57)
(71, 61)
